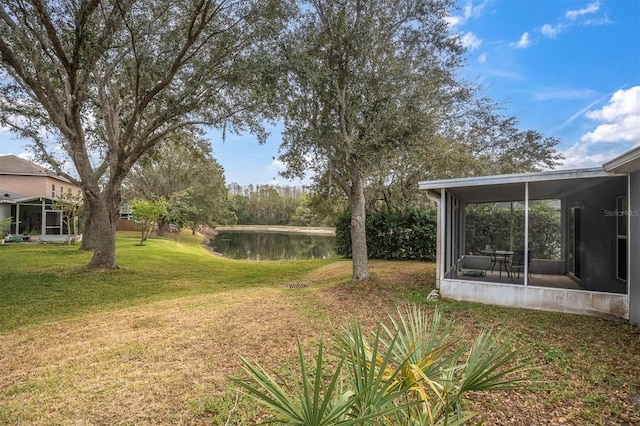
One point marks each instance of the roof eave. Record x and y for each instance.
(514, 178)
(625, 163)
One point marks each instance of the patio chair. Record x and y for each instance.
(517, 262)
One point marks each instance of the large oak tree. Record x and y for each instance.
(97, 83)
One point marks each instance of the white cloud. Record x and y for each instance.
(591, 8)
(621, 117)
(563, 94)
(599, 21)
(583, 110)
(584, 155)
(523, 43)
(482, 58)
(549, 30)
(277, 164)
(470, 41)
(468, 11)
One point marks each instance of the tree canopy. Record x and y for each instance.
(374, 103)
(373, 98)
(182, 171)
(97, 83)
(369, 92)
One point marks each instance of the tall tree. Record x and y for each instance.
(168, 167)
(100, 82)
(367, 80)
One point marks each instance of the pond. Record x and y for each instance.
(260, 245)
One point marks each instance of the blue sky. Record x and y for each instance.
(566, 68)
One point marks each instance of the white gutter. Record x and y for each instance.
(515, 178)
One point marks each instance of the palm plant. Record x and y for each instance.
(413, 372)
(318, 403)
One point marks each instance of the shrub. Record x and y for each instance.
(503, 228)
(398, 235)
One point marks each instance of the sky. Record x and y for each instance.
(569, 69)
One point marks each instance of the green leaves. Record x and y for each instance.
(412, 371)
(147, 213)
(393, 234)
(317, 403)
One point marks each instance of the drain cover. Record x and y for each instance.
(295, 285)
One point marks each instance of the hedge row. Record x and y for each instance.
(400, 235)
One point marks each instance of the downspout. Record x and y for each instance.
(439, 234)
(630, 217)
(526, 234)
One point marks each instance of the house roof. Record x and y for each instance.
(8, 197)
(554, 184)
(549, 184)
(625, 163)
(14, 165)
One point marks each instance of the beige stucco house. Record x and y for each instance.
(27, 195)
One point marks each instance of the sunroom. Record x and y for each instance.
(33, 218)
(555, 240)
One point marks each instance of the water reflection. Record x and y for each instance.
(273, 245)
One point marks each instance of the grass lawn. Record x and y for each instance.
(154, 342)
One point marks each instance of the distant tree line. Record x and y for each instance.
(235, 188)
(269, 205)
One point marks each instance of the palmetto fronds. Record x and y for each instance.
(414, 371)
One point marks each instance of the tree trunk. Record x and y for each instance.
(161, 224)
(358, 231)
(104, 208)
(89, 237)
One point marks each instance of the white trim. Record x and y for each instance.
(629, 237)
(436, 199)
(626, 162)
(515, 178)
(443, 233)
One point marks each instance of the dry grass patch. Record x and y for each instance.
(142, 365)
(168, 362)
(370, 301)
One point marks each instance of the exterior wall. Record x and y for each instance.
(58, 238)
(540, 298)
(5, 211)
(598, 235)
(34, 185)
(634, 249)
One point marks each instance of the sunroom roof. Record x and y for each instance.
(552, 184)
